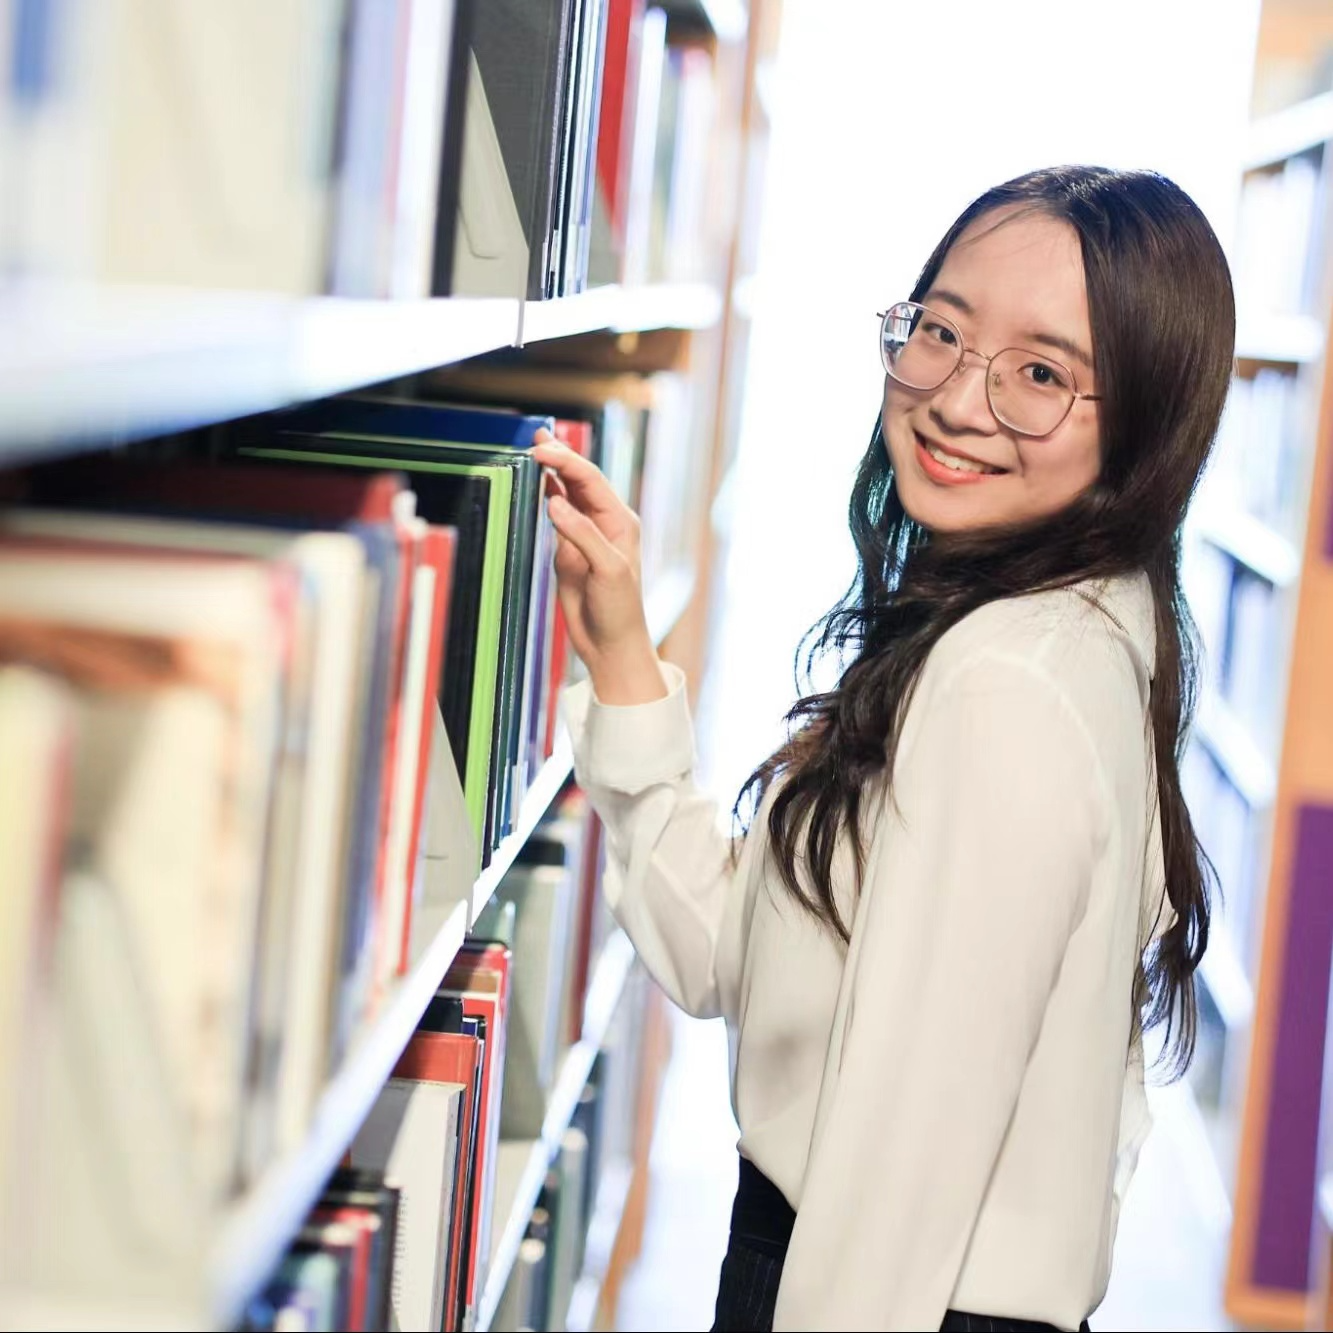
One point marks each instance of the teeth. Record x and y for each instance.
(957, 464)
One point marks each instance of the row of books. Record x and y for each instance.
(1261, 458)
(262, 718)
(1279, 257)
(478, 1071)
(364, 148)
(1232, 834)
(1242, 623)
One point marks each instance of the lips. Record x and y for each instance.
(951, 466)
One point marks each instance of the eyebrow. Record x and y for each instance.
(1061, 344)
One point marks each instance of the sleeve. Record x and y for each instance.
(668, 861)
(999, 810)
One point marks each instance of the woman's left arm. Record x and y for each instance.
(1000, 810)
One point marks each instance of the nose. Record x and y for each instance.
(960, 405)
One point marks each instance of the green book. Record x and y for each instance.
(478, 765)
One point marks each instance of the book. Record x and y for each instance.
(570, 1223)
(37, 723)
(371, 1194)
(303, 888)
(615, 141)
(522, 56)
(205, 188)
(542, 899)
(452, 1056)
(449, 493)
(362, 505)
(412, 1134)
(479, 976)
(176, 660)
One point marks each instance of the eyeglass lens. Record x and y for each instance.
(1027, 392)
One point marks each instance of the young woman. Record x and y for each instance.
(971, 880)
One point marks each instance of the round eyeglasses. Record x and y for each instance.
(1029, 393)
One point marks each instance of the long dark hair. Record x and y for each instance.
(1163, 326)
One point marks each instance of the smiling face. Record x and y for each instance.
(1012, 280)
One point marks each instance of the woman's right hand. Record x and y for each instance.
(598, 574)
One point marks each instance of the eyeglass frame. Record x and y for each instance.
(963, 350)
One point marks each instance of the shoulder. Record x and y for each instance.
(1090, 643)
(1055, 674)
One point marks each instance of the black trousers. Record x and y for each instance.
(761, 1223)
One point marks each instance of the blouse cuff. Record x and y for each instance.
(629, 749)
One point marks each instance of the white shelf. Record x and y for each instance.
(81, 365)
(603, 1230)
(1291, 339)
(1225, 977)
(622, 310)
(1273, 138)
(86, 366)
(1251, 541)
(523, 1165)
(1251, 772)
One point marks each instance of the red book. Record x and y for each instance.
(438, 552)
(479, 976)
(615, 133)
(449, 1057)
(236, 490)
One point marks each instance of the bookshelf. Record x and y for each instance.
(255, 1230)
(83, 367)
(93, 360)
(1262, 541)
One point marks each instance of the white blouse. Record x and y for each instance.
(950, 1102)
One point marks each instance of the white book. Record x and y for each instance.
(544, 899)
(421, 140)
(411, 1134)
(173, 786)
(219, 143)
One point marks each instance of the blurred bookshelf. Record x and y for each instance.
(1256, 564)
(245, 324)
